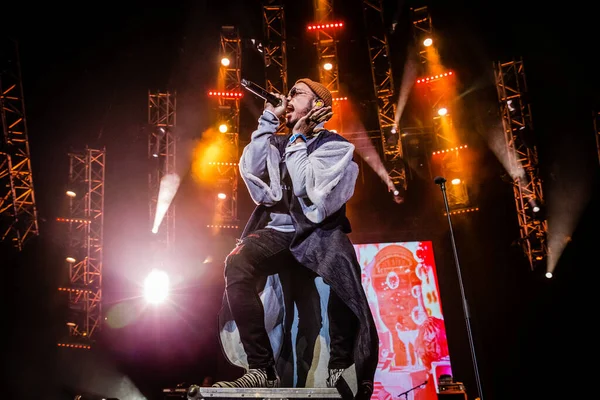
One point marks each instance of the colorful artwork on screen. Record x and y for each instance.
(401, 284)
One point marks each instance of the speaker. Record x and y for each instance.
(452, 395)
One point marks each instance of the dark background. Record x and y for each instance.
(87, 69)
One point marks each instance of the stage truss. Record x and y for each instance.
(517, 122)
(85, 251)
(18, 212)
(162, 154)
(275, 51)
(383, 86)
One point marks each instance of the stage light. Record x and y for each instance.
(432, 78)
(331, 25)
(456, 181)
(71, 260)
(427, 42)
(222, 196)
(223, 128)
(328, 66)
(71, 193)
(226, 95)
(225, 62)
(442, 111)
(158, 137)
(156, 286)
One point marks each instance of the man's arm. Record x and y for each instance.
(254, 155)
(259, 163)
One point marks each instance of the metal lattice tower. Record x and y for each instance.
(85, 252)
(517, 121)
(162, 149)
(422, 28)
(383, 86)
(435, 90)
(326, 44)
(230, 77)
(18, 212)
(275, 51)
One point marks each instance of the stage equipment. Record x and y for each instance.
(230, 76)
(383, 86)
(441, 181)
(196, 392)
(326, 45)
(522, 154)
(18, 212)
(422, 30)
(275, 51)
(162, 150)
(86, 248)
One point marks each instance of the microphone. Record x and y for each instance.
(260, 92)
(439, 180)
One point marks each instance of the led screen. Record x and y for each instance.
(401, 284)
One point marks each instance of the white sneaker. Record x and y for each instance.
(254, 378)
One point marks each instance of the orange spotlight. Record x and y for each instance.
(225, 62)
(442, 111)
(427, 42)
(328, 66)
(223, 128)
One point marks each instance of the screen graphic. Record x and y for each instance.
(401, 284)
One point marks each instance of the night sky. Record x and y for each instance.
(87, 69)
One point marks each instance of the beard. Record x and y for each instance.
(295, 117)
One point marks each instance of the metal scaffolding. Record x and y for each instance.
(433, 80)
(230, 77)
(275, 51)
(522, 155)
(326, 44)
(85, 251)
(162, 149)
(422, 29)
(18, 212)
(383, 86)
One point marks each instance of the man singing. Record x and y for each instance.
(301, 183)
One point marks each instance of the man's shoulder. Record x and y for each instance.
(329, 136)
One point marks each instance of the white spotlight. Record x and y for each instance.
(156, 286)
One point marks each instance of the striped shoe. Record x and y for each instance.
(334, 376)
(254, 378)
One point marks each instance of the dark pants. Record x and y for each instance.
(266, 252)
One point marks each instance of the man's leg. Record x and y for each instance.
(260, 254)
(343, 327)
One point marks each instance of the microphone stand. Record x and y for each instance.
(405, 394)
(442, 182)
